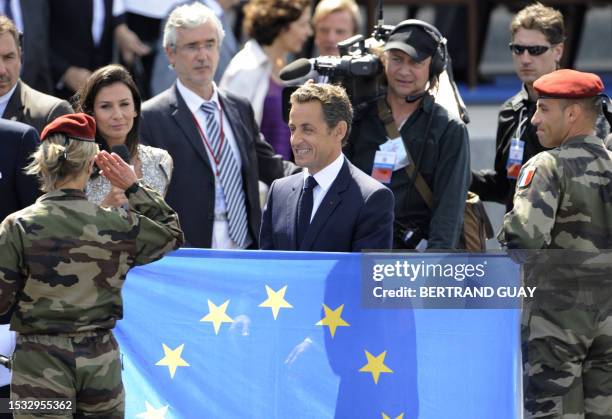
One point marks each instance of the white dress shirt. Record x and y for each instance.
(220, 236)
(4, 99)
(324, 177)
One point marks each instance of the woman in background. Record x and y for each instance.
(278, 28)
(111, 97)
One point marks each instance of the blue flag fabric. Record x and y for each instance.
(242, 334)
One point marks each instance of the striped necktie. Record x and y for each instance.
(229, 175)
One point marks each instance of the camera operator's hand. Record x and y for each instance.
(118, 172)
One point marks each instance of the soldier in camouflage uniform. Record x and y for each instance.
(563, 204)
(63, 262)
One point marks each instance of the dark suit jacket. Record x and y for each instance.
(35, 68)
(167, 123)
(33, 107)
(71, 42)
(356, 214)
(17, 142)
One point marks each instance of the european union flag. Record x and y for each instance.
(243, 334)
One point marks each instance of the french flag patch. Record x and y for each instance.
(526, 177)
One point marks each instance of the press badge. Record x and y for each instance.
(382, 170)
(396, 146)
(515, 158)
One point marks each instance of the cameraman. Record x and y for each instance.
(432, 142)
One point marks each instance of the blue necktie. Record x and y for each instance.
(305, 209)
(229, 175)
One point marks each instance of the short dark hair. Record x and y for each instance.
(591, 106)
(541, 18)
(335, 103)
(105, 76)
(264, 20)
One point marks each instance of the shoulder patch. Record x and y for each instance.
(526, 177)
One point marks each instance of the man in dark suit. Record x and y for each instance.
(219, 154)
(31, 17)
(18, 101)
(332, 206)
(18, 190)
(82, 40)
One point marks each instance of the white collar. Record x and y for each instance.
(256, 54)
(195, 101)
(326, 176)
(7, 96)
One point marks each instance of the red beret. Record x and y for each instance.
(79, 126)
(568, 84)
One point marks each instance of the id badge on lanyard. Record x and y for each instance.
(517, 150)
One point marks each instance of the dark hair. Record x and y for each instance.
(540, 18)
(590, 105)
(264, 20)
(105, 76)
(334, 101)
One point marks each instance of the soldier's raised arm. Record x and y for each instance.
(155, 226)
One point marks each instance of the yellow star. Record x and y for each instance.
(153, 413)
(172, 359)
(384, 416)
(276, 300)
(376, 365)
(216, 315)
(332, 319)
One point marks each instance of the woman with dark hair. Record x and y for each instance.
(111, 97)
(277, 28)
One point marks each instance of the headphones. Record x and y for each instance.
(439, 59)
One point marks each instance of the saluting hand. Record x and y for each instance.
(118, 172)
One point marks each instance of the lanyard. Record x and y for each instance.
(215, 155)
(520, 128)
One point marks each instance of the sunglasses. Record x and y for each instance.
(533, 50)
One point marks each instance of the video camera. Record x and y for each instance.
(358, 69)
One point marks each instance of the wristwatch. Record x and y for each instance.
(131, 189)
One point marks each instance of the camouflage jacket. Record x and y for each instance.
(63, 260)
(563, 199)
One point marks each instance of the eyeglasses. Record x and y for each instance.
(533, 50)
(195, 47)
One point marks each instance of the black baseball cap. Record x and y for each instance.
(413, 40)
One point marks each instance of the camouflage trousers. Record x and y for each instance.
(567, 354)
(82, 367)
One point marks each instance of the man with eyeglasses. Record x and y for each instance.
(219, 154)
(537, 46)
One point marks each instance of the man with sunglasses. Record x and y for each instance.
(537, 46)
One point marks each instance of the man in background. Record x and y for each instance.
(18, 190)
(18, 101)
(218, 151)
(334, 21)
